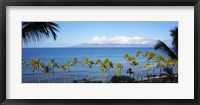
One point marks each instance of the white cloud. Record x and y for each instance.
(122, 40)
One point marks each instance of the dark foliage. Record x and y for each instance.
(163, 47)
(170, 76)
(122, 79)
(36, 31)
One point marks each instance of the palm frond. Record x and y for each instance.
(164, 48)
(174, 35)
(36, 31)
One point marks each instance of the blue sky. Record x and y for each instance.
(76, 33)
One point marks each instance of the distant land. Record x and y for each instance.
(112, 45)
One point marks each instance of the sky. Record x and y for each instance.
(135, 33)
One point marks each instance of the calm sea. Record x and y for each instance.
(62, 55)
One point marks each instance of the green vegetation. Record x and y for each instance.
(153, 61)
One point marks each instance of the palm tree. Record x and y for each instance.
(163, 47)
(138, 53)
(171, 62)
(130, 72)
(63, 68)
(119, 66)
(35, 65)
(75, 61)
(36, 31)
(53, 64)
(126, 56)
(146, 53)
(110, 66)
(148, 66)
(89, 63)
(160, 62)
(134, 64)
(105, 66)
(66, 67)
(152, 56)
(98, 62)
(46, 70)
(117, 73)
(133, 61)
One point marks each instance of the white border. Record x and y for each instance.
(183, 90)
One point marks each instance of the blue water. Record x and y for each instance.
(62, 55)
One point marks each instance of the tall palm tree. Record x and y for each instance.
(110, 66)
(133, 61)
(138, 54)
(134, 64)
(89, 64)
(119, 66)
(66, 67)
(98, 62)
(170, 63)
(36, 31)
(63, 68)
(35, 65)
(148, 66)
(46, 70)
(74, 62)
(152, 56)
(160, 62)
(163, 47)
(105, 66)
(53, 64)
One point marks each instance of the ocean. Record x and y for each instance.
(79, 72)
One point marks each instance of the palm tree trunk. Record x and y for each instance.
(120, 72)
(53, 74)
(160, 72)
(38, 76)
(75, 75)
(141, 75)
(136, 74)
(133, 73)
(106, 76)
(48, 77)
(100, 77)
(32, 77)
(65, 77)
(153, 69)
(90, 75)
